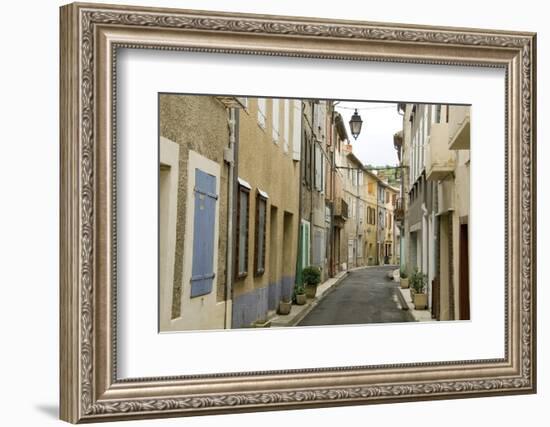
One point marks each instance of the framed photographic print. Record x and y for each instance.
(267, 212)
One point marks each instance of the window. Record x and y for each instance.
(260, 231)
(438, 113)
(308, 160)
(262, 112)
(244, 102)
(305, 241)
(296, 129)
(318, 246)
(242, 229)
(371, 216)
(319, 168)
(286, 124)
(275, 120)
(387, 196)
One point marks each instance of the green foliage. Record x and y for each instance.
(403, 274)
(299, 290)
(311, 275)
(418, 281)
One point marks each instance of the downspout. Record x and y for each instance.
(231, 157)
(300, 195)
(425, 238)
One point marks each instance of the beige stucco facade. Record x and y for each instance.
(369, 191)
(268, 160)
(199, 140)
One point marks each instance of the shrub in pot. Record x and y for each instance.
(404, 279)
(312, 277)
(419, 285)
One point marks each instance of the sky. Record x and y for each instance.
(374, 145)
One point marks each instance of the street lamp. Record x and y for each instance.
(355, 124)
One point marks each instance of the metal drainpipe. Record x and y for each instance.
(233, 169)
(299, 248)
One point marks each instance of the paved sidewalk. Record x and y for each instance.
(298, 312)
(419, 315)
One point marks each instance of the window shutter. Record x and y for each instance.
(275, 120)
(318, 167)
(296, 129)
(286, 125)
(202, 274)
(261, 112)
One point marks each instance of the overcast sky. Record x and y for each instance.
(375, 142)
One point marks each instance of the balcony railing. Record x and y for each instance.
(341, 208)
(440, 161)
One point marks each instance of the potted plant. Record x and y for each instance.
(418, 284)
(312, 277)
(300, 294)
(261, 323)
(284, 306)
(404, 279)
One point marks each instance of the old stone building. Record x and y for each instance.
(314, 211)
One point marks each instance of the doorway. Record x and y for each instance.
(463, 275)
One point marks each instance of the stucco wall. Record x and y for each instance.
(265, 165)
(197, 123)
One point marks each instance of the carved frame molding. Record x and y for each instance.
(90, 37)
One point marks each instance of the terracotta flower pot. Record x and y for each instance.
(301, 299)
(261, 324)
(420, 301)
(311, 290)
(284, 307)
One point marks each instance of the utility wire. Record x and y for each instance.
(366, 108)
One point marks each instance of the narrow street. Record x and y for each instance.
(364, 296)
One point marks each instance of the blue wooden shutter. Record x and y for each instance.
(202, 275)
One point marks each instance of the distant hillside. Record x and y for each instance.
(387, 173)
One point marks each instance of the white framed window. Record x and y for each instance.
(319, 168)
(286, 124)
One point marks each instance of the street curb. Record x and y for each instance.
(316, 301)
(401, 298)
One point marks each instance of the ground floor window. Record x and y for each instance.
(260, 229)
(242, 229)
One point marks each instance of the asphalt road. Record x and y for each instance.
(364, 296)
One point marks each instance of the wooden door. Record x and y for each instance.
(464, 276)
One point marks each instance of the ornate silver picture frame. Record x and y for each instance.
(91, 35)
